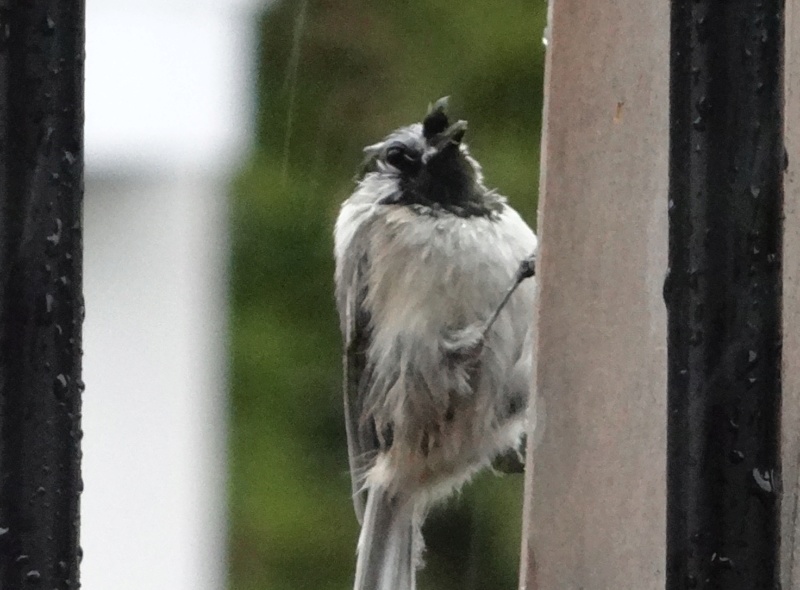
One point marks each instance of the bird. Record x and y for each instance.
(436, 315)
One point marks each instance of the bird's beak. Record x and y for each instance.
(451, 136)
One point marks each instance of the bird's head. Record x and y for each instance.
(428, 165)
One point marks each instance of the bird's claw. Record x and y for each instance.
(527, 268)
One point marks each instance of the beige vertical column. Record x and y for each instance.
(596, 489)
(790, 508)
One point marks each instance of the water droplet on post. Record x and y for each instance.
(763, 480)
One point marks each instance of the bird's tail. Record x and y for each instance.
(389, 544)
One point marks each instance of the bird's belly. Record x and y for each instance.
(427, 285)
(434, 273)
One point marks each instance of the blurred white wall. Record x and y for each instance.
(168, 114)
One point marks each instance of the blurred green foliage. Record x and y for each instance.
(334, 76)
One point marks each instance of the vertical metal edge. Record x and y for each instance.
(723, 294)
(41, 302)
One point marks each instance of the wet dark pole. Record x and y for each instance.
(723, 294)
(41, 305)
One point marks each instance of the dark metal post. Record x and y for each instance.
(41, 305)
(723, 294)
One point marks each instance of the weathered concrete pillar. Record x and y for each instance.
(596, 487)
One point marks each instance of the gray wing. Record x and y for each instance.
(351, 291)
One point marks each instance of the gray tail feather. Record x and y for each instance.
(387, 546)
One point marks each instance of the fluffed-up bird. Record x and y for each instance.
(437, 322)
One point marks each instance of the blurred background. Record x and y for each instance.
(221, 137)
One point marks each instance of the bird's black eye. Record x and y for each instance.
(403, 158)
